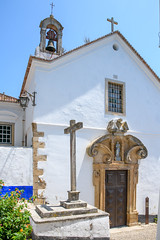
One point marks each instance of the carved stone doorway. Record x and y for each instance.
(117, 152)
(116, 197)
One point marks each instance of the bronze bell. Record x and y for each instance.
(50, 47)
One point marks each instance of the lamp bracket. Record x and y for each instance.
(32, 97)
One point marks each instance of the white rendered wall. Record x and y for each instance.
(13, 113)
(73, 87)
(16, 166)
(57, 166)
(149, 177)
(29, 111)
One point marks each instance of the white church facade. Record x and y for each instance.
(109, 87)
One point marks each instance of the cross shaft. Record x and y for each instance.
(72, 130)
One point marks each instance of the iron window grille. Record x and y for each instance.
(6, 134)
(115, 97)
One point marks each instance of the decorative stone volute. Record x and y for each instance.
(116, 147)
(136, 151)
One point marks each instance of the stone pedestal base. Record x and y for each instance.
(132, 219)
(73, 195)
(56, 222)
(73, 204)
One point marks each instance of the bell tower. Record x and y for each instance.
(50, 38)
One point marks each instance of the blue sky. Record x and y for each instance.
(138, 21)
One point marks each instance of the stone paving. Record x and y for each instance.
(141, 232)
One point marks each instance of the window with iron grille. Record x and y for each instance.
(115, 97)
(6, 134)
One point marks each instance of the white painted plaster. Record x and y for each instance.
(30, 87)
(149, 177)
(16, 166)
(57, 166)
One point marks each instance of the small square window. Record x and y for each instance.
(115, 97)
(6, 134)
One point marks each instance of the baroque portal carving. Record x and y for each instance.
(116, 151)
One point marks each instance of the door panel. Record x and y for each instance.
(116, 196)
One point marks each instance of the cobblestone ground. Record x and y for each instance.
(142, 232)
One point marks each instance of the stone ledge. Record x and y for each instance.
(38, 220)
(83, 226)
(67, 238)
(49, 211)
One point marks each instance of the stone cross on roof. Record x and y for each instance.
(112, 23)
(52, 5)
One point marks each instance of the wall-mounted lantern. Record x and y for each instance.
(24, 99)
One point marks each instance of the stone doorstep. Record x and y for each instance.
(49, 211)
(36, 218)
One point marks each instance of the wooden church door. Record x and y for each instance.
(116, 196)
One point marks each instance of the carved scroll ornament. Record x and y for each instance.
(98, 147)
(105, 148)
(136, 151)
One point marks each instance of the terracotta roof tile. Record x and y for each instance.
(6, 98)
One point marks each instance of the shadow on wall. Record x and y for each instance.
(8, 160)
(16, 166)
(84, 181)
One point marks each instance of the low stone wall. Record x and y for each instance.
(141, 218)
(16, 168)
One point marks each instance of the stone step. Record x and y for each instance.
(73, 204)
(93, 226)
(48, 211)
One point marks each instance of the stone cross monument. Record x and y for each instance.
(71, 219)
(73, 194)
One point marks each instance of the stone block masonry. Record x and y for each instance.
(38, 183)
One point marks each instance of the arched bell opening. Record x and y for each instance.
(115, 172)
(51, 35)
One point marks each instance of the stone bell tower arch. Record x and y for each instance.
(117, 152)
(56, 29)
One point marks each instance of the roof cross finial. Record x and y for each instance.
(112, 23)
(52, 5)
